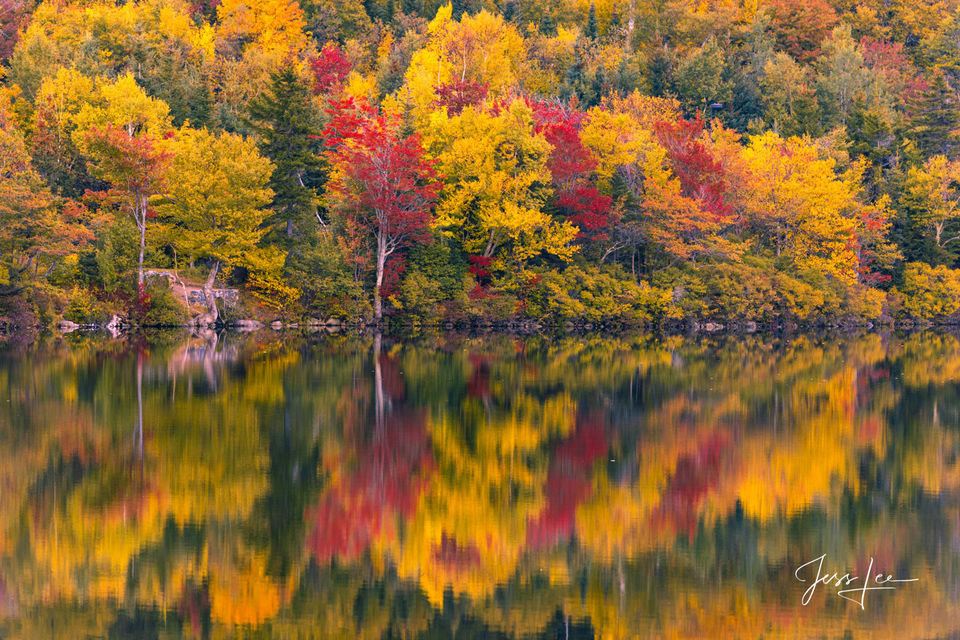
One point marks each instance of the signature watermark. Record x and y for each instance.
(856, 593)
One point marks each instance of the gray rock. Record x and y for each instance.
(247, 325)
(66, 326)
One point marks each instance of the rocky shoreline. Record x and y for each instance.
(117, 326)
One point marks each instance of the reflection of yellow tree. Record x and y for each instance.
(702, 455)
(87, 548)
(470, 529)
(241, 592)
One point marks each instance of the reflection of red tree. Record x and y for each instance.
(391, 471)
(455, 557)
(694, 477)
(8, 606)
(195, 606)
(479, 384)
(568, 481)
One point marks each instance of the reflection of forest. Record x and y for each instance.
(625, 487)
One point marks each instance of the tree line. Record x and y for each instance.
(485, 160)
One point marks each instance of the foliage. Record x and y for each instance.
(589, 294)
(382, 183)
(785, 158)
(216, 202)
(930, 292)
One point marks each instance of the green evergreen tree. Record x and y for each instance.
(576, 73)
(509, 10)
(460, 7)
(547, 26)
(659, 71)
(615, 26)
(593, 30)
(284, 120)
(935, 119)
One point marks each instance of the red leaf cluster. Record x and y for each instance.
(568, 482)
(695, 476)
(391, 471)
(330, 69)
(801, 25)
(389, 184)
(571, 164)
(701, 175)
(458, 95)
(133, 165)
(14, 15)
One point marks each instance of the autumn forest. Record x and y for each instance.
(485, 160)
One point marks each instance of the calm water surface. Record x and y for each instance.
(489, 487)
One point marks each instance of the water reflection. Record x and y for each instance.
(224, 486)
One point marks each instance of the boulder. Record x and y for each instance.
(247, 324)
(67, 326)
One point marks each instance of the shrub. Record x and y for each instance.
(164, 309)
(930, 292)
(585, 292)
(84, 308)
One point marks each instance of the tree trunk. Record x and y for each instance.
(142, 223)
(138, 433)
(208, 290)
(379, 396)
(377, 301)
(210, 316)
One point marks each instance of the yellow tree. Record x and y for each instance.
(27, 222)
(117, 131)
(933, 191)
(799, 207)
(216, 200)
(276, 25)
(480, 49)
(496, 184)
(122, 104)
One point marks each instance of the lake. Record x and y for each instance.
(343, 486)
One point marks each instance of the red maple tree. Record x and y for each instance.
(460, 94)
(383, 183)
(14, 15)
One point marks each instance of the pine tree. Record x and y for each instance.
(935, 119)
(283, 119)
(509, 10)
(659, 71)
(460, 7)
(592, 28)
(547, 26)
(615, 27)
